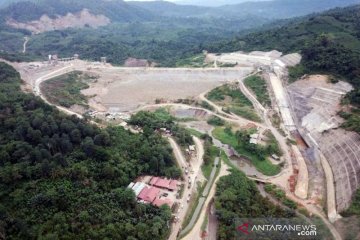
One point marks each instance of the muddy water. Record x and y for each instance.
(241, 163)
(190, 113)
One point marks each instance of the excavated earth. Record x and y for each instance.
(77, 20)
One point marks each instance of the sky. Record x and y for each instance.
(204, 2)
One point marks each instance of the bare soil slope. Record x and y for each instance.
(77, 20)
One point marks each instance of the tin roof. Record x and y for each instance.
(149, 194)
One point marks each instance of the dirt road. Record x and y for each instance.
(257, 105)
(195, 233)
(196, 167)
(176, 227)
(178, 154)
(282, 178)
(218, 109)
(56, 73)
(213, 224)
(24, 46)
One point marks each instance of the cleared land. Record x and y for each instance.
(316, 102)
(127, 89)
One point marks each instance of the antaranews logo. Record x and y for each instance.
(277, 229)
(244, 228)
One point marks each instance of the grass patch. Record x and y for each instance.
(354, 208)
(276, 122)
(216, 121)
(296, 72)
(211, 152)
(194, 132)
(219, 94)
(182, 190)
(200, 193)
(194, 201)
(290, 142)
(226, 160)
(65, 90)
(258, 85)
(227, 65)
(272, 144)
(206, 105)
(352, 120)
(233, 100)
(252, 152)
(205, 223)
(197, 61)
(246, 112)
(186, 119)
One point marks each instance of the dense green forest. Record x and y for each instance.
(238, 197)
(165, 42)
(63, 178)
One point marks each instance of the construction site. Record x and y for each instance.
(321, 170)
(316, 103)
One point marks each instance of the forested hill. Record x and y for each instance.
(341, 25)
(62, 178)
(119, 10)
(329, 43)
(280, 9)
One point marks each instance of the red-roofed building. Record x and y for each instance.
(149, 194)
(163, 183)
(159, 202)
(154, 180)
(173, 185)
(142, 195)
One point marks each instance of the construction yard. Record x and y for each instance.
(315, 103)
(126, 89)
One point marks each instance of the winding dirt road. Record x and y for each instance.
(24, 45)
(178, 153)
(195, 233)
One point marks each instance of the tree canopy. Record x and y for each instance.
(63, 178)
(238, 197)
